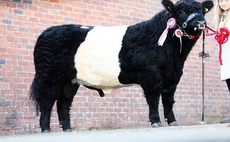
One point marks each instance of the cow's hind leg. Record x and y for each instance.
(45, 116)
(168, 101)
(47, 100)
(64, 104)
(44, 93)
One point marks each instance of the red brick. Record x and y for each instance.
(32, 8)
(11, 5)
(56, 1)
(19, 23)
(12, 39)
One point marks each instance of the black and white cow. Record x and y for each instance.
(151, 53)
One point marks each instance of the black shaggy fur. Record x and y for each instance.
(157, 69)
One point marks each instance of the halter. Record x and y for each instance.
(190, 17)
(184, 25)
(179, 32)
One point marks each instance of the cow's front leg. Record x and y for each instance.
(151, 89)
(168, 101)
(153, 102)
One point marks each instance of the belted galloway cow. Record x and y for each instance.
(150, 53)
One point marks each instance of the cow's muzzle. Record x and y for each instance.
(200, 25)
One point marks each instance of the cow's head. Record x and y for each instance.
(189, 14)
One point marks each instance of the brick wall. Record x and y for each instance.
(21, 21)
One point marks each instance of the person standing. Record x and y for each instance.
(222, 20)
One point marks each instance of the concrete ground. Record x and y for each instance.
(196, 133)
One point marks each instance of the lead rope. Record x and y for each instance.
(221, 37)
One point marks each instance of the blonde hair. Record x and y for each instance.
(218, 13)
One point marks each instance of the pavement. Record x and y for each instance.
(195, 133)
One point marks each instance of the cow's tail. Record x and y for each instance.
(35, 92)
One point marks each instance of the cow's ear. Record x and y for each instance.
(168, 4)
(207, 6)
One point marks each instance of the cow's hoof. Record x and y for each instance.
(175, 123)
(46, 131)
(68, 130)
(157, 125)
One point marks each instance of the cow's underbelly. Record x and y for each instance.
(96, 60)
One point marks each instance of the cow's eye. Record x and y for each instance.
(181, 12)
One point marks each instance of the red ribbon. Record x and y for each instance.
(221, 37)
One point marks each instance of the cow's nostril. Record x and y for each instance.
(201, 25)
